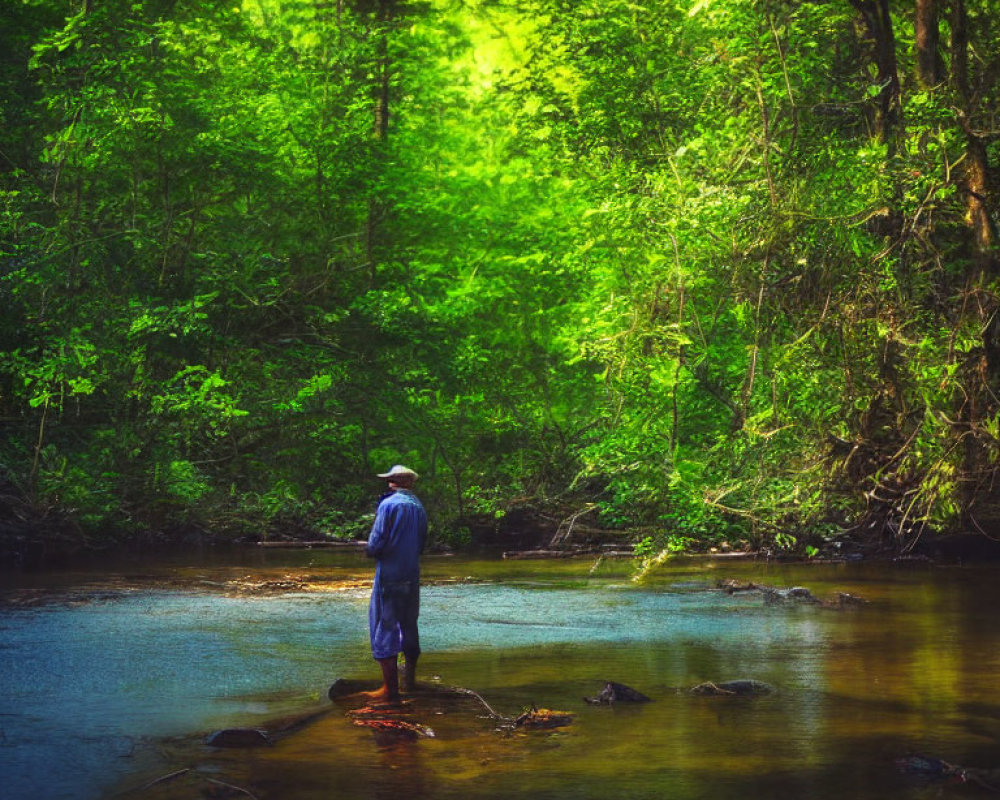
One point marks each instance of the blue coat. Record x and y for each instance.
(397, 539)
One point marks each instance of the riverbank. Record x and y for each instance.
(33, 540)
(262, 570)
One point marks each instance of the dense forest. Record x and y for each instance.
(703, 272)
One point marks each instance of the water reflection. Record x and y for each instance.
(87, 688)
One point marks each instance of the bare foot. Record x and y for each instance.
(382, 695)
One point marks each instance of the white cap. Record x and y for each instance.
(399, 471)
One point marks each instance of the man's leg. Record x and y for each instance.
(383, 627)
(389, 692)
(410, 638)
(409, 678)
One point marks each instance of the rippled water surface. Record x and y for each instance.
(110, 679)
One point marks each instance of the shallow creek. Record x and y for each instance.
(110, 679)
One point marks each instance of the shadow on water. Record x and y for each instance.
(112, 682)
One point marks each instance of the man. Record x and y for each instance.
(397, 539)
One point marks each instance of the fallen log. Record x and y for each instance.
(511, 554)
(543, 718)
(311, 544)
(744, 687)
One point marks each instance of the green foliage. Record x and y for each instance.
(643, 547)
(666, 258)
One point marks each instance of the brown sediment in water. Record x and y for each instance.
(25, 590)
(340, 744)
(230, 581)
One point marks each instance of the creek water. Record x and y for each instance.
(110, 678)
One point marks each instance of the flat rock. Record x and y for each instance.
(238, 737)
(345, 687)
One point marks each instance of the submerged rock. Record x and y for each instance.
(778, 595)
(617, 693)
(845, 600)
(799, 593)
(239, 737)
(925, 766)
(732, 586)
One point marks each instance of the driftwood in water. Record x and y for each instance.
(543, 718)
(731, 688)
(195, 781)
(164, 779)
(398, 719)
(232, 787)
(387, 719)
(514, 554)
(932, 768)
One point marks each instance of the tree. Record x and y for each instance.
(716, 271)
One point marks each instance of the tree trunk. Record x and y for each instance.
(930, 68)
(380, 131)
(878, 23)
(958, 20)
(981, 372)
(977, 186)
(977, 167)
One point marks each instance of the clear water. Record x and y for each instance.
(114, 680)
